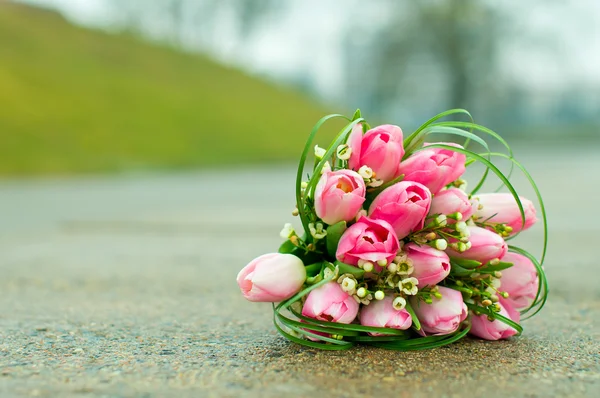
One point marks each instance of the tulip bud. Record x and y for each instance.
(339, 196)
(442, 316)
(519, 282)
(383, 314)
(381, 149)
(485, 246)
(502, 208)
(272, 277)
(367, 241)
(404, 205)
(487, 329)
(452, 202)
(434, 167)
(330, 303)
(431, 266)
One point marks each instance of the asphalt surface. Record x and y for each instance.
(124, 286)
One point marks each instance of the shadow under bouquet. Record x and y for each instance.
(396, 251)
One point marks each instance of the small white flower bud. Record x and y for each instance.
(326, 167)
(368, 266)
(304, 185)
(495, 261)
(365, 172)
(295, 212)
(461, 226)
(287, 231)
(361, 292)
(392, 267)
(348, 284)
(344, 152)
(382, 262)
(320, 152)
(375, 183)
(399, 303)
(379, 295)
(441, 220)
(468, 245)
(441, 244)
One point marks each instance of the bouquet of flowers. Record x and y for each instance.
(396, 251)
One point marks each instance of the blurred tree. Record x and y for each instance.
(424, 51)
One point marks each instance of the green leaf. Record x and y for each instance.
(287, 247)
(465, 263)
(416, 323)
(539, 198)
(349, 269)
(334, 233)
(314, 179)
(307, 149)
(457, 270)
(415, 134)
(542, 292)
(349, 327)
(356, 115)
(496, 316)
(493, 268)
(313, 269)
(422, 343)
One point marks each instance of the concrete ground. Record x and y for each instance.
(125, 286)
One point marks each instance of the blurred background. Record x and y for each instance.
(128, 85)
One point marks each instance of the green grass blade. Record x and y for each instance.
(305, 152)
(497, 316)
(489, 165)
(408, 140)
(539, 198)
(542, 292)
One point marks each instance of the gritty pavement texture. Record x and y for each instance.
(124, 286)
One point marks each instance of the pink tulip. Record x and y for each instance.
(330, 303)
(339, 196)
(404, 205)
(382, 314)
(368, 240)
(502, 208)
(520, 281)
(450, 201)
(443, 316)
(380, 148)
(485, 246)
(431, 266)
(496, 330)
(272, 277)
(434, 167)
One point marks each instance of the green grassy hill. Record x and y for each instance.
(76, 100)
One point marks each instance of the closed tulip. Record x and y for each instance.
(502, 208)
(483, 328)
(450, 201)
(442, 316)
(368, 240)
(272, 277)
(431, 266)
(380, 148)
(330, 303)
(404, 205)
(339, 196)
(434, 167)
(520, 281)
(485, 246)
(382, 314)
